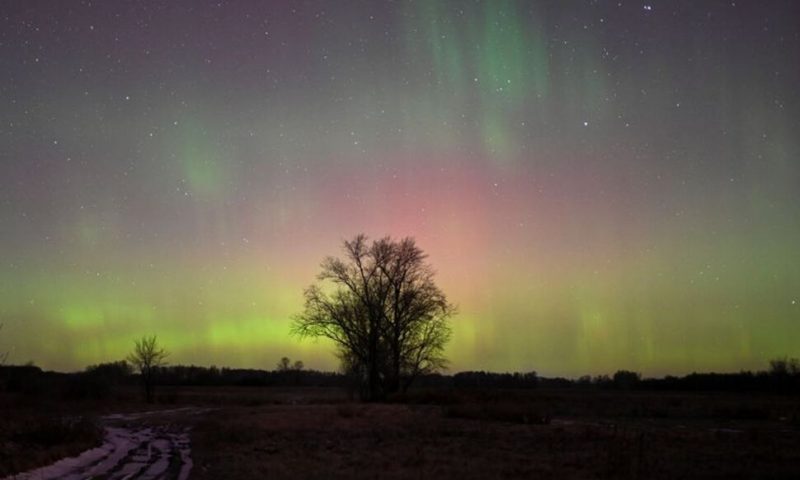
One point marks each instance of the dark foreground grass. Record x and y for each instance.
(29, 440)
(464, 434)
(506, 436)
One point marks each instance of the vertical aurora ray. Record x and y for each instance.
(491, 56)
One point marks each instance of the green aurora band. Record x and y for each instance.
(598, 187)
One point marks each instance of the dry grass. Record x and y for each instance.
(317, 433)
(504, 411)
(30, 440)
(483, 439)
(248, 396)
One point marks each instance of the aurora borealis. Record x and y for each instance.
(599, 185)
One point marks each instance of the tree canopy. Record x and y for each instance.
(147, 357)
(380, 306)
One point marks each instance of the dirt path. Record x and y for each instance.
(145, 445)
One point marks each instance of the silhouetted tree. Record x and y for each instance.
(625, 379)
(290, 372)
(147, 357)
(3, 355)
(284, 364)
(113, 370)
(784, 367)
(381, 307)
(496, 380)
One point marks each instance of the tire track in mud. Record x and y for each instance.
(130, 450)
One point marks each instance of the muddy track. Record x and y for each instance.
(135, 446)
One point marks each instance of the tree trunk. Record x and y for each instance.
(148, 386)
(394, 383)
(373, 374)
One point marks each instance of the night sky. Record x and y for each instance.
(599, 185)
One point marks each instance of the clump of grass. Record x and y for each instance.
(741, 412)
(795, 421)
(49, 431)
(171, 397)
(218, 432)
(428, 397)
(499, 412)
(349, 410)
(626, 454)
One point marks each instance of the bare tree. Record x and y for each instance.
(382, 308)
(284, 364)
(146, 357)
(784, 366)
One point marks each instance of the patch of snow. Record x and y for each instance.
(126, 452)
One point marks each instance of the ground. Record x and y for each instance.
(238, 433)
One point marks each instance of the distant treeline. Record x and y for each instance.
(780, 380)
(98, 381)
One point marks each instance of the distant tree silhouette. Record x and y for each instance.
(146, 358)
(284, 364)
(784, 367)
(290, 372)
(114, 371)
(381, 307)
(495, 380)
(3, 355)
(626, 380)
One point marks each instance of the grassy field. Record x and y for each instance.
(514, 434)
(34, 433)
(320, 433)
